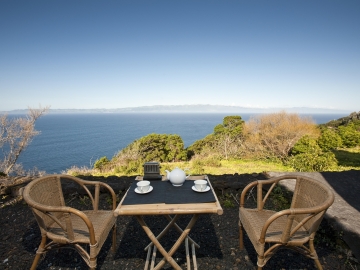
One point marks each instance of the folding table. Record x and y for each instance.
(168, 200)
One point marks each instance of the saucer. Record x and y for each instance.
(205, 190)
(149, 190)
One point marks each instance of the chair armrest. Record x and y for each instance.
(113, 195)
(47, 210)
(291, 213)
(245, 190)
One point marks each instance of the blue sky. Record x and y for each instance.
(117, 54)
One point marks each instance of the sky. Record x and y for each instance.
(88, 54)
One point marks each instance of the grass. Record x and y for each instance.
(348, 158)
(229, 167)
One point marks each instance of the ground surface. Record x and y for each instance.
(216, 235)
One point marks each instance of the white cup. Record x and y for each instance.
(200, 185)
(143, 186)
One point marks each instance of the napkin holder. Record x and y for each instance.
(152, 171)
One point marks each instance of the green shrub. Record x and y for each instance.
(349, 135)
(313, 162)
(305, 145)
(308, 156)
(133, 167)
(161, 147)
(212, 161)
(197, 167)
(227, 201)
(100, 163)
(329, 140)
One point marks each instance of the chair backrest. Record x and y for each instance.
(44, 192)
(311, 193)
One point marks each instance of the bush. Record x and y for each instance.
(213, 161)
(274, 135)
(329, 140)
(161, 147)
(197, 167)
(100, 163)
(308, 156)
(201, 147)
(349, 135)
(313, 162)
(305, 145)
(131, 167)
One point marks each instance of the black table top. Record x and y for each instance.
(165, 192)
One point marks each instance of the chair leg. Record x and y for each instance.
(314, 254)
(38, 254)
(260, 261)
(241, 239)
(93, 261)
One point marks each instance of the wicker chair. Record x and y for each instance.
(290, 228)
(68, 227)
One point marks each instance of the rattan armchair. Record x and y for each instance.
(63, 226)
(290, 228)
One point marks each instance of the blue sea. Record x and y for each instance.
(80, 139)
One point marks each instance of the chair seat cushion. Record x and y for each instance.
(102, 221)
(253, 221)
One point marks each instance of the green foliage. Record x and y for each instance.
(227, 201)
(152, 147)
(100, 163)
(228, 136)
(313, 162)
(305, 145)
(231, 125)
(162, 147)
(131, 167)
(213, 161)
(308, 156)
(197, 167)
(223, 140)
(200, 146)
(349, 135)
(329, 140)
(2, 174)
(353, 118)
(198, 164)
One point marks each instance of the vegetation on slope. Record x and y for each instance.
(272, 142)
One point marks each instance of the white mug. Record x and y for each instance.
(200, 185)
(143, 186)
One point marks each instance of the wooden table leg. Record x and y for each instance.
(167, 256)
(172, 222)
(188, 264)
(178, 242)
(194, 257)
(164, 231)
(168, 217)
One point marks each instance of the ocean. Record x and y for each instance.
(80, 139)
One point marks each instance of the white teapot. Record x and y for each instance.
(177, 176)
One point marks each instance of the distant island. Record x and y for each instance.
(199, 108)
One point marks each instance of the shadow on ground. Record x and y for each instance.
(346, 184)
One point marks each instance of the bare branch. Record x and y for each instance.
(15, 135)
